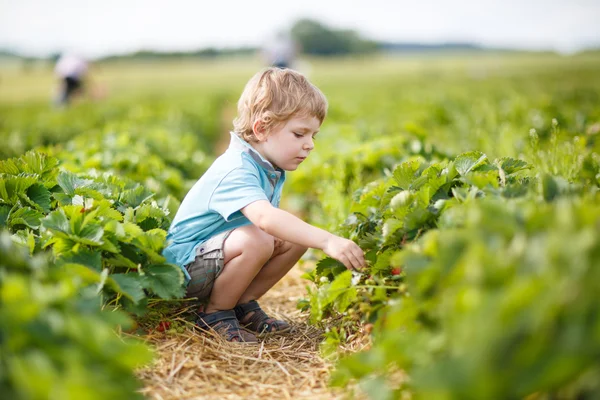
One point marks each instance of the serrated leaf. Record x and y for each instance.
(39, 163)
(61, 245)
(328, 266)
(40, 195)
(383, 262)
(106, 212)
(369, 241)
(390, 226)
(90, 234)
(119, 260)
(25, 238)
(57, 221)
(132, 229)
(166, 281)
(9, 166)
(89, 258)
(483, 179)
(69, 182)
(510, 165)
(13, 186)
(25, 216)
(466, 162)
(135, 197)
(406, 173)
(341, 291)
(129, 285)
(148, 211)
(417, 219)
(116, 228)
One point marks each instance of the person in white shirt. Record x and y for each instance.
(280, 51)
(71, 71)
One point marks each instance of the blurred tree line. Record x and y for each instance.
(317, 39)
(311, 36)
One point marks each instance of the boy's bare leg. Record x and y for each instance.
(246, 250)
(282, 260)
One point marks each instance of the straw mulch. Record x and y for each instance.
(196, 365)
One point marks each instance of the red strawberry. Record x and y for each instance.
(396, 271)
(163, 326)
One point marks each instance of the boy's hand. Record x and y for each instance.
(345, 251)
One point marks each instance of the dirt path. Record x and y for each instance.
(193, 365)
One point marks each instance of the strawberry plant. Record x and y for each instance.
(55, 339)
(107, 226)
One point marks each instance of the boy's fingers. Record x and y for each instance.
(356, 263)
(359, 256)
(346, 262)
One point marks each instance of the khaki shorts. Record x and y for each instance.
(207, 266)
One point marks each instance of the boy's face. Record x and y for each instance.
(289, 143)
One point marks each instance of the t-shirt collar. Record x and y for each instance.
(239, 144)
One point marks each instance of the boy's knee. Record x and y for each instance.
(259, 243)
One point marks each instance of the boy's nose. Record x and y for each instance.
(309, 145)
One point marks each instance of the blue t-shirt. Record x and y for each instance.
(240, 176)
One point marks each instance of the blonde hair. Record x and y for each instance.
(275, 95)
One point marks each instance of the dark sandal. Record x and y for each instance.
(226, 325)
(259, 322)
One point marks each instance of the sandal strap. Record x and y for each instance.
(242, 309)
(226, 324)
(259, 321)
(208, 320)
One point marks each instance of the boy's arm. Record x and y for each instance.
(287, 227)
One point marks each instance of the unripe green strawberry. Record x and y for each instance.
(401, 199)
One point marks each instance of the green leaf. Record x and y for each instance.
(550, 188)
(390, 226)
(25, 238)
(341, 291)
(483, 179)
(11, 187)
(329, 266)
(377, 388)
(467, 162)
(40, 196)
(91, 235)
(39, 163)
(69, 182)
(57, 221)
(89, 258)
(9, 166)
(149, 211)
(406, 173)
(417, 219)
(129, 285)
(151, 243)
(135, 197)
(25, 216)
(510, 165)
(383, 262)
(119, 260)
(166, 281)
(4, 212)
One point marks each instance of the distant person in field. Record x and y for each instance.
(71, 71)
(229, 236)
(280, 51)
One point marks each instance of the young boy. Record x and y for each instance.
(229, 236)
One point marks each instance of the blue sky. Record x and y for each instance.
(116, 26)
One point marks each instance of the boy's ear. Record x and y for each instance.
(258, 128)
